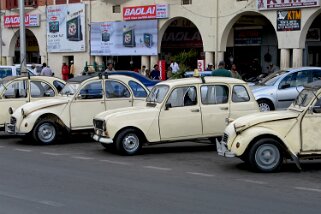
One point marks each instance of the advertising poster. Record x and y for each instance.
(66, 28)
(124, 38)
(288, 20)
(280, 4)
(156, 11)
(31, 20)
(201, 65)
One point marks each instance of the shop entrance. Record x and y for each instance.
(128, 63)
(313, 44)
(33, 55)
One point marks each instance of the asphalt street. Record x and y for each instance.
(81, 177)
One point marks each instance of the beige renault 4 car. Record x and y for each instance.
(264, 140)
(18, 90)
(81, 99)
(176, 110)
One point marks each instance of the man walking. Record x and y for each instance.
(175, 67)
(221, 71)
(46, 71)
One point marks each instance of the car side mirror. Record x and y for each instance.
(286, 85)
(316, 109)
(168, 106)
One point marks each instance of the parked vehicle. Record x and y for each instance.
(81, 99)
(6, 71)
(18, 90)
(280, 89)
(176, 110)
(265, 139)
(29, 66)
(201, 73)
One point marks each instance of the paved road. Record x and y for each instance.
(81, 177)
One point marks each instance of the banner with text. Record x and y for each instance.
(31, 20)
(66, 28)
(124, 38)
(281, 4)
(288, 20)
(156, 11)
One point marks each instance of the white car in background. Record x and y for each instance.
(7, 70)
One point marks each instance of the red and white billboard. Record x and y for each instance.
(156, 11)
(31, 20)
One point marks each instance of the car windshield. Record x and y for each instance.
(69, 89)
(272, 78)
(305, 97)
(157, 94)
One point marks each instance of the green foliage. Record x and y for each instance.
(186, 60)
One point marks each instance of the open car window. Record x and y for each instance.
(16, 89)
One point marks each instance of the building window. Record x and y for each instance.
(74, 1)
(12, 4)
(116, 9)
(61, 1)
(186, 2)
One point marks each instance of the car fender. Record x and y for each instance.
(267, 97)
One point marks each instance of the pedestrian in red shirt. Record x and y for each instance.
(65, 71)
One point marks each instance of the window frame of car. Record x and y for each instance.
(247, 93)
(25, 82)
(169, 105)
(79, 96)
(52, 87)
(137, 84)
(214, 85)
(131, 94)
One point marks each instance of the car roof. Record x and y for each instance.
(80, 79)
(198, 80)
(303, 68)
(10, 78)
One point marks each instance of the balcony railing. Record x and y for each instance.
(13, 4)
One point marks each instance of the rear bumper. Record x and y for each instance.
(222, 150)
(103, 140)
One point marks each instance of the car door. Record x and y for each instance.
(310, 130)
(88, 102)
(14, 95)
(214, 108)
(289, 88)
(182, 116)
(40, 90)
(117, 95)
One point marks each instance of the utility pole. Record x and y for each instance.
(23, 51)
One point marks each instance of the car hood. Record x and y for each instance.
(247, 121)
(125, 112)
(40, 104)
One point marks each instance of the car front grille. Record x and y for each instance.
(13, 120)
(225, 138)
(99, 124)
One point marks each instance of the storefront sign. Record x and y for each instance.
(31, 20)
(158, 11)
(66, 28)
(244, 37)
(124, 38)
(288, 20)
(201, 65)
(280, 4)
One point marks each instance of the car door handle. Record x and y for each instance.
(195, 110)
(224, 108)
(130, 101)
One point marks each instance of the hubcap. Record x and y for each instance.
(264, 107)
(267, 156)
(46, 133)
(131, 143)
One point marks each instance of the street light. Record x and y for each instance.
(23, 51)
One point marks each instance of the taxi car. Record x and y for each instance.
(18, 90)
(176, 110)
(264, 140)
(81, 99)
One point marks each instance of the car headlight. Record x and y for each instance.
(10, 110)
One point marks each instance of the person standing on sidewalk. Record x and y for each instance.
(221, 71)
(65, 71)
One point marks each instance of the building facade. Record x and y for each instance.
(285, 33)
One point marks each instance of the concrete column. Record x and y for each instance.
(285, 59)
(3, 60)
(219, 56)
(43, 59)
(99, 60)
(297, 57)
(209, 57)
(145, 60)
(9, 60)
(153, 61)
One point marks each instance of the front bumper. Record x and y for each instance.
(10, 128)
(103, 140)
(222, 150)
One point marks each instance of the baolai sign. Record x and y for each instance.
(278, 4)
(156, 11)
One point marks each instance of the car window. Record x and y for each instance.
(138, 90)
(214, 94)
(157, 94)
(288, 81)
(184, 96)
(5, 72)
(93, 90)
(317, 106)
(116, 89)
(58, 85)
(316, 75)
(240, 94)
(16, 89)
(41, 89)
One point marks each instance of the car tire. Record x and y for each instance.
(265, 155)
(45, 132)
(128, 142)
(265, 105)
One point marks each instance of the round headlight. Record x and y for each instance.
(10, 110)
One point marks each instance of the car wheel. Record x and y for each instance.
(265, 155)
(128, 142)
(265, 105)
(45, 132)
